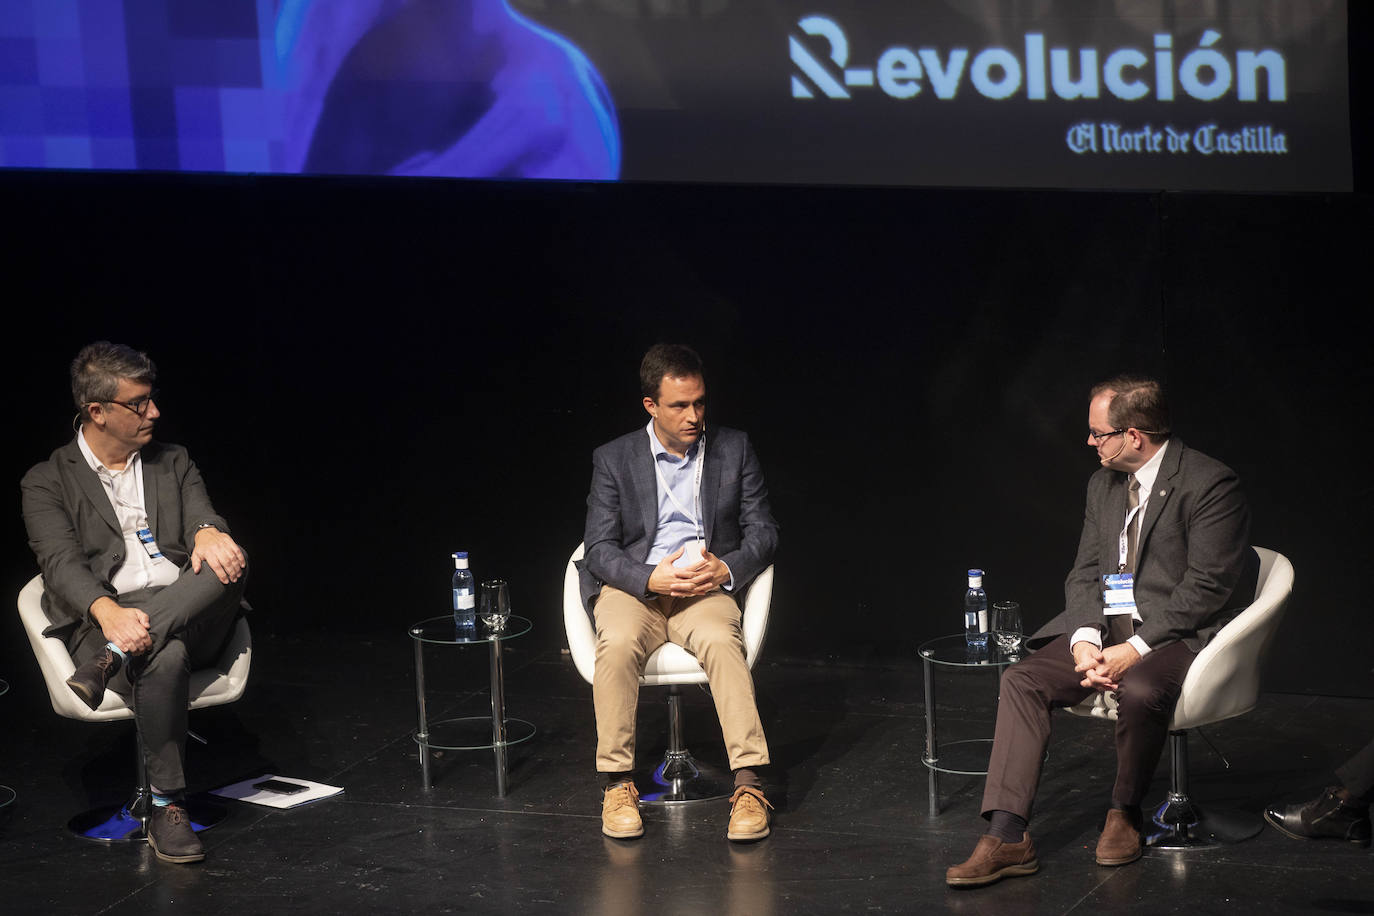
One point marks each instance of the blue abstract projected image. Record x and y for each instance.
(396, 87)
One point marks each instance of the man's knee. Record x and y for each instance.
(619, 647)
(1138, 701)
(171, 661)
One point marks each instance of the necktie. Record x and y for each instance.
(1121, 627)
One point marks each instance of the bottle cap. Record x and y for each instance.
(975, 578)
(460, 559)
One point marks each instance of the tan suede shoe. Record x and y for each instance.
(993, 860)
(1120, 840)
(620, 812)
(748, 815)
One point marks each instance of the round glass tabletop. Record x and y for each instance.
(4, 687)
(443, 631)
(955, 650)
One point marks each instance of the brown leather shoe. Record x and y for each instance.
(748, 815)
(88, 682)
(171, 835)
(1120, 840)
(620, 812)
(993, 860)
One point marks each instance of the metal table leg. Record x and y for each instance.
(422, 734)
(932, 756)
(498, 716)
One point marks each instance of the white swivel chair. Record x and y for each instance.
(216, 686)
(678, 778)
(1222, 682)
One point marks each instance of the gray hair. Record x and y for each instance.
(97, 369)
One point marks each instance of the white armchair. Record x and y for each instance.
(216, 686)
(678, 778)
(1222, 682)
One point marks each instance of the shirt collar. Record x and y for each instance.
(659, 451)
(1150, 470)
(93, 461)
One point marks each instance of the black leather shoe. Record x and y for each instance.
(1325, 816)
(88, 682)
(171, 835)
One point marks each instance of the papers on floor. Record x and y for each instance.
(276, 793)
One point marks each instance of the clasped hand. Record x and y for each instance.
(688, 581)
(1102, 669)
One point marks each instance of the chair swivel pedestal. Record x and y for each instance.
(679, 778)
(128, 823)
(1182, 823)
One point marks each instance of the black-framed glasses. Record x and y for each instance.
(138, 405)
(1099, 438)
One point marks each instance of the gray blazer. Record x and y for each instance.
(1194, 566)
(622, 513)
(76, 537)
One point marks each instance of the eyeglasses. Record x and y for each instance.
(1099, 438)
(138, 405)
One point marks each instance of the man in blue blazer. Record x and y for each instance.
(1163, 562)
(677, 525)
(140, 575)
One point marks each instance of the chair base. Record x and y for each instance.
(127, 823)
(679, 779)
(1183, 825)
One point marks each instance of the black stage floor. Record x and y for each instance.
(852, 832)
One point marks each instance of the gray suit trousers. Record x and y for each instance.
(189, 623)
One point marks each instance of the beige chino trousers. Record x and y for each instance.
(629, 629)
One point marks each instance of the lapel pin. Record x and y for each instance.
(1162, 492)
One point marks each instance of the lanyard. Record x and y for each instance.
(693, 517)
(1121, 540)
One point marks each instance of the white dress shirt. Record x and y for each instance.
(140, 568)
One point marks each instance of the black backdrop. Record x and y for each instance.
(373, 373)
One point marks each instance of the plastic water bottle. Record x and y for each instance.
(464, 597)
(975, 610)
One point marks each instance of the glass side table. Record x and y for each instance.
(7, 795)
(468, 733)
(968, 757)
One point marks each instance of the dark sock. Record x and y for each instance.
(1132, 812)
(745, 776)
(606, 780)
(1007, 827)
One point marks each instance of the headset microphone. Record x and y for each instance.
(1107, 461)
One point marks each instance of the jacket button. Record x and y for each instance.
(116, 558)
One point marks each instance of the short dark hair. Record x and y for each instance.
(672, 360)
(97, 369)
(1137, 402)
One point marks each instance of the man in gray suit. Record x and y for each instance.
(141, 577)
(1163, 562)
(677, 526)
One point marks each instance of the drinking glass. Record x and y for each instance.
(1006, 626)
(493, 604)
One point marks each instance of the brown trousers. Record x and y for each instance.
(1032, 688)
(629, 629)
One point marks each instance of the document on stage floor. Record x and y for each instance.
(278, 791)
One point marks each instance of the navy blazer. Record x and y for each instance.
(76, 536)
(1194, 566)
(622, 513)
